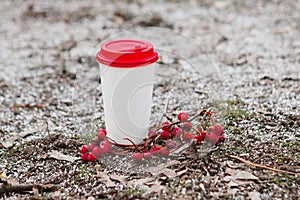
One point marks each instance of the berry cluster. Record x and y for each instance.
(161, 141)
(100, 146)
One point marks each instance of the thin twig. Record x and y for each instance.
(260, 166)
(165, 109)
(20, 188)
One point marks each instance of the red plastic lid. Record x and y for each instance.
(126, 53)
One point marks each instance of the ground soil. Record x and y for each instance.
(245, 65)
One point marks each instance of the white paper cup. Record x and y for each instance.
(127, 77)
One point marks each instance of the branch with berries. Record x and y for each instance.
(161, 141)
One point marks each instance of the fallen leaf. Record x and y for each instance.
(244, 175)
(121, 179)
(162, 169)
(139, 182)
(104, 178)
(60, 156)
(168, 172)
(254, 195)
(157, 188)
(236, 183)
(238, 175)
(11, 140)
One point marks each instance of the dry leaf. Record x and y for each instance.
(236, 183)
(168, 172)
(238, 175)
(11, 140)
(139, 182)
(121, 179)
(157, 188)
(254, 195)
(104, 178)
(162, 169)
(60, 156)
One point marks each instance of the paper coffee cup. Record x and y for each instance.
(127, 77)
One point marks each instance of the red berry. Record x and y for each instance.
(200, 137)
(165, 152)
(188, 136)
(151, 133)
(212, 138)
(101, 134)
(164, 135)
(90, 147)
(183, 117)
(83, 149)
(154, 150)
(176, 131)
(187, 126)
(137, 157)
(170, 144)
(97, 152)
(221, 138)
(103, 130)
(104, 146)
(91, 157)
(218, 129)
(147, 155)
(166, 126)
(84, 157)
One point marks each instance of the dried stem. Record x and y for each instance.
(260, 166)
(165, 109)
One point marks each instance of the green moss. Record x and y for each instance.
(234, 101)
(284, 180)
(130, 193)
(237, 114)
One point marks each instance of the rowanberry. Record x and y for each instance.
(84, 157)
(166, 126)
(90, 147)
(200, 137)
(183, 117)
(147, 155)
(218, 129)
(137, 157)
(97, 152)
(164, 135)
(187, 126)
(90, 157)
(176, 131)
(188, 136)
(154, 150)
(83, 149)
(101, 134)
(104, 146)
(212, 138)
